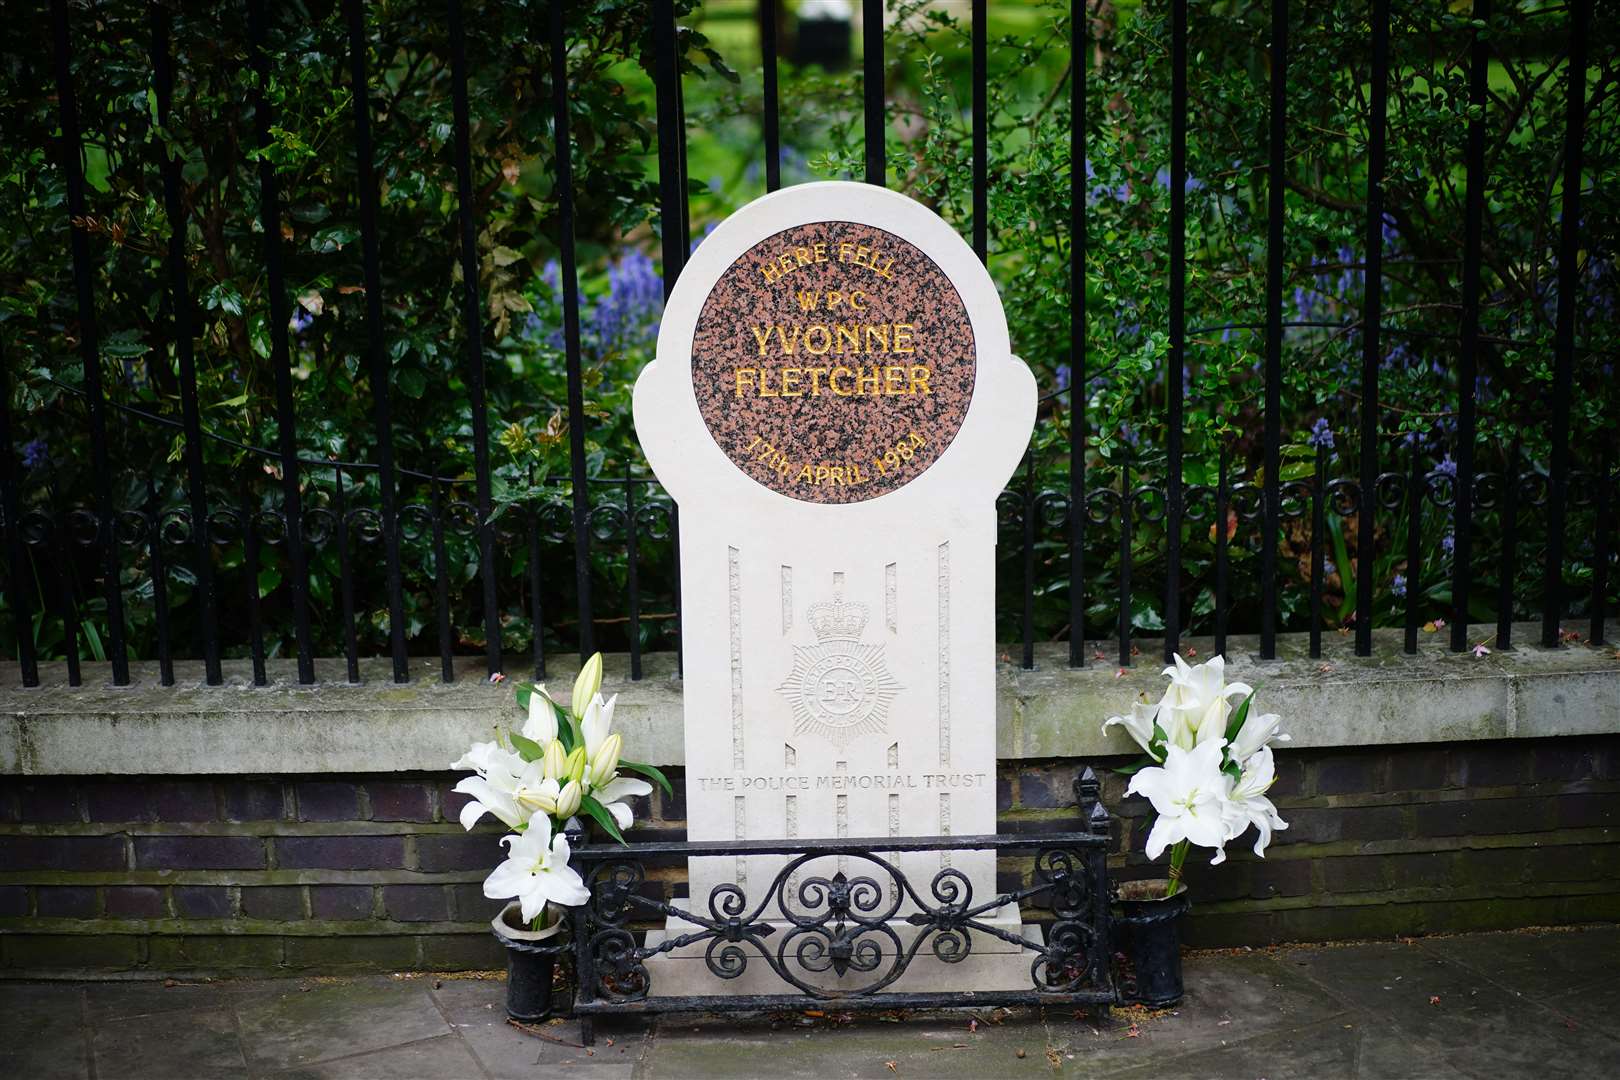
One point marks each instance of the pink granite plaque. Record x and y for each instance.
(833, 362)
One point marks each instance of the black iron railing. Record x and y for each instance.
(387, 512)
(848, 932)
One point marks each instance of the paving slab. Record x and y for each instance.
(476, 1010)
(194, 1044)
(444, 1057)
(42, 1033)
(1539, 963)
(1451, 1012)
(118, 1000)
(290, 1027)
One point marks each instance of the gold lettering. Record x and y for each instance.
(789, 344)
(856, 301)
(919, 379)
(803, 255)
(881, 333)
(826, 339)
(838, 475)
(785, 261)
(815, 380)
(822, 473)
(832, 380)
(762, 334)
(862, 254)
(745, 378)
(805, 474)
(807, 300)
(851, 332)
(772, 274)
(885, 272)
(790, 382)
(902, 337)
(820, 247)
(751, 445)
(845, 250)
(765, 383)
(892, 377)
(868, 379)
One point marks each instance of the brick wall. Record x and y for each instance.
(345, 873)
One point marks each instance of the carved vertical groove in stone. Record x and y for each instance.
(891, 613)
(945, 654)
(739, 829)
(944, 825)
(790, 756)
(894, 830)
(734, 573)
(894, 755)
(787, 599)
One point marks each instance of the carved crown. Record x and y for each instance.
(837, 619)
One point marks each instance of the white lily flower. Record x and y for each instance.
(555, 760)
(494, 789)
(536, 790)
(1139, 725)
(613, 794)
(1256, 733)
(587, 684)
(1187, 794)
(569, 798)
(541, 726)
(1195, 706)
(1245, 801)
(478, 757)
(597, 723)
(605, 761)
(536, 871)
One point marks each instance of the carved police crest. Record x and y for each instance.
(840, 687)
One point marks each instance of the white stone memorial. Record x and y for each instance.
(835, 408)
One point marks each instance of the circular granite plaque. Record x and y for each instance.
(833, 362)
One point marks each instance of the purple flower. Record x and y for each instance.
(1188, 186)
(1448, 543)
(34, 454)
(1064, 374)
(1398, 586)
(1329, 568)
(630, 312)
(1447, 467)
(1321, 434)
(301, 319)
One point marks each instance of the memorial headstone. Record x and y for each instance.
(835, 407)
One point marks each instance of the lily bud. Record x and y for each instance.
(588, 683)
(569, 798)
(554, 762)
(605, 762)
(574, 767)
(539, 798)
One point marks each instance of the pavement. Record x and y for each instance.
(1529, 1003)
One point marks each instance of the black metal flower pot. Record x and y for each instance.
(531, 965)
(1148, 930)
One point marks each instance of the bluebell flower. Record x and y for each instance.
(1064, 374)
(1448, 543)
(1188, 186)
(1398, 586)
(301, 319)
(1329, 568)
(34, 454)
(1321, 433)
(1447, 467)
(630, 312)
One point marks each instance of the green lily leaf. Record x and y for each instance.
(1234, 723)
(651, 772)
(599, 814)
(527, 748)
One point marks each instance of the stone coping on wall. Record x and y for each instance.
(1052, 711)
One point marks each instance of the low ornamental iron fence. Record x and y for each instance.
(381, 513)
(805, 924)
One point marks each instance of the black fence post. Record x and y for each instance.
(17, 598)
(71, 150)
(1078, 510)
(562, 149)
(473, 324)
(1569, 233)
(1462, 572)
(872, 67)
(981, 133)
(1371, 315)
(280, 357)
(180, 306)
(1174, 387)
(1276, 185)
(771, 105)
(376, 344)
